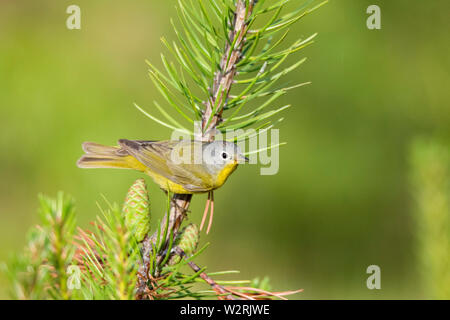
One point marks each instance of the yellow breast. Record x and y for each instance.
(224, 174)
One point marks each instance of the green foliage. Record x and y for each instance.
(136, 209)
(430, 160)
(187, 240)
(207, 39)
(103, 263)
(40, 271)
(109, 255)
(25, 271)
(58, 222)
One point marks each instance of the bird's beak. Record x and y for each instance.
(242, 158)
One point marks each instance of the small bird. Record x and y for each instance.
(184, 166)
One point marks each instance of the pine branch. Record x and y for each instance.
(224, 77)
(200, 56)
(108, 256)
(40, 271)
(211, 117)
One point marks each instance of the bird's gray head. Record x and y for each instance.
(220, 153)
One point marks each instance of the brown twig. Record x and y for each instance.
(261, 292)
(216, 287)
(224, 77)
(219, 94)
(229, 292)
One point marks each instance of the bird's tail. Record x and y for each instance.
(100, 156)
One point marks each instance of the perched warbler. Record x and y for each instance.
(185, 166)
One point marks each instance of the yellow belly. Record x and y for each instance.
(216, 182)
(224, 174)
(162, 181)
(167, 184)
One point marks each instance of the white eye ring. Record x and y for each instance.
(224, 155)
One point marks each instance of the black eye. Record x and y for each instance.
(224, 155)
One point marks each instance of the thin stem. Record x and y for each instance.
(224, 78)
(216, 287)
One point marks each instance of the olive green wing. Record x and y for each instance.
(157, 156)
(192, 177)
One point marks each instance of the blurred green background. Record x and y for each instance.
(341, 200)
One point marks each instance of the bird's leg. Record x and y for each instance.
(211, 213)
(205, 213)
